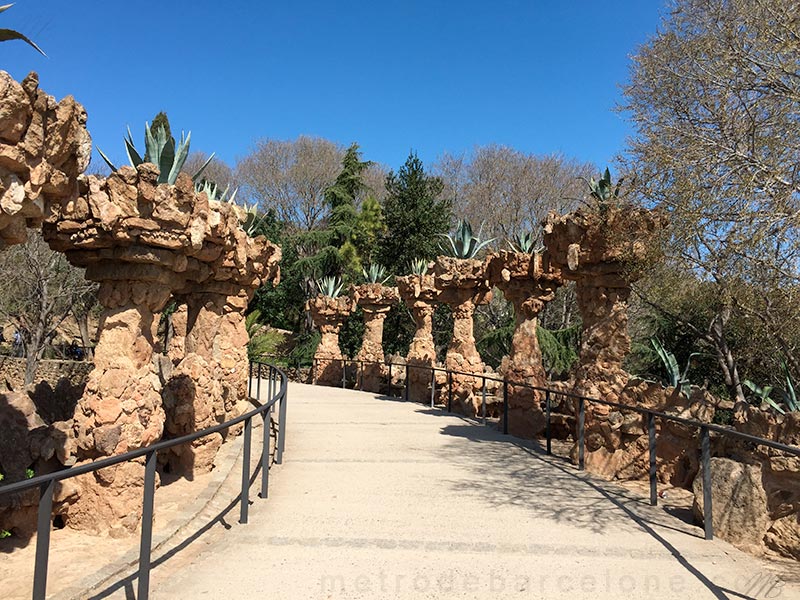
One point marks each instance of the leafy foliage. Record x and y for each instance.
(419, 266)
(415, 215)
(675, 378)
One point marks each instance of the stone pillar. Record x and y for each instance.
(603, 251)
(328, 315)
(121, 408)
(376, 300)
(462, 284)
(528, 283)
(419, 294)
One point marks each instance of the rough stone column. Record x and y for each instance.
(376, 300)
(528, 282)
(419, 293)
(328, 315)
(120, 409)
(462, 284)
(603, 251)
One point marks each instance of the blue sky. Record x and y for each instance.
(541, 76)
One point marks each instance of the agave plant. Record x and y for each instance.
(330, 286)
(419, 266)
(463, 244)
(675, 378)
(251, 221)
(523, 242)
(788, 394)
(603, 190)
(375, 274)
(160, 150)
(7, 35)
(212, 191)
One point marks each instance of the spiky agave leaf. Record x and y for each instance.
(463, 244)
(523, 242)
(789, 394)
(108, 161)
(7, 35)
(375, 274)
(419, 266)
(330, 286)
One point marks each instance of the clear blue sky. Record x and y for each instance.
(541, 76)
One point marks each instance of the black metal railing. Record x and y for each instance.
(276, 394)
(580, 430)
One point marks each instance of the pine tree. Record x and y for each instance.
(161, 120)
(415, 217)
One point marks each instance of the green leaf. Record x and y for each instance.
(108, 162)
(7, 35)
(167, 160)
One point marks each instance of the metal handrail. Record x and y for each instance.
(46, 483)
(652, 415)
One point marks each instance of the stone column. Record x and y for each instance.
(328, 315)
(528, 283)
(121, 408)
(462, 284)
(603, 251)
(376, 300)
(419, 294)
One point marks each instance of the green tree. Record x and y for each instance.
(161, 120)
(415, 216)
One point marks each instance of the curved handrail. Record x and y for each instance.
(46, 483)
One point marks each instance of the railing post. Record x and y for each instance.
(407, 382)
(651, 435)
(449, 391)
(43, 524)
(281, 439)
(313, 371)
(258, 383)
(581, 419)
(250, 382)
(705, 442)
(505, 406)
(360, 374)
(265, 438)
(146, 540)
(391, 380)
(344, 373)
(548, 434)
(245, 496)
(483, 400)
(433, 385)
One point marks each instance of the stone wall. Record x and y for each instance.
(12, 370)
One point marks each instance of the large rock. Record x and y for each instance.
(44, 146)
(739, 503)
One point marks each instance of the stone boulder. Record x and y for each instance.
(739, 503)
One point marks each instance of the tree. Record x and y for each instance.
(39, 292)
(510, 191)
(714, 99)
(161, 120)
(416, 215)
(292, 177)
(217, 171)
